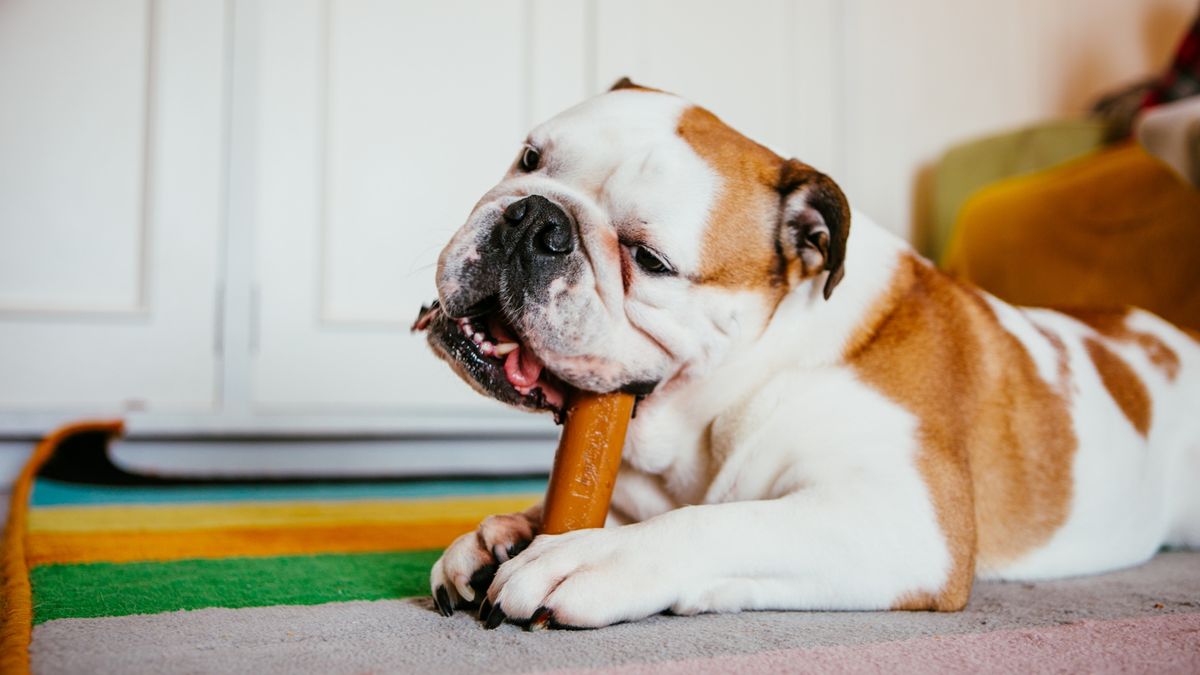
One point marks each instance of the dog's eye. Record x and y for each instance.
(530, 159)
(649, 261)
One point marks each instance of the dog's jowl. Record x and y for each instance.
(828, 423)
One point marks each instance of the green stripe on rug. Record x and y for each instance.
(112, 589)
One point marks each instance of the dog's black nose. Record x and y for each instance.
(541, 225)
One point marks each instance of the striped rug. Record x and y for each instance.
(122, 576)
(84, 550)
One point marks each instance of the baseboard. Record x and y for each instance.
(304, 446)
(370, 458)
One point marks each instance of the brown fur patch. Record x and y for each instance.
(1161, 356)
(1114, 324)
(1061, 356)
(739, 248)
(1122, 384)
(997, 441)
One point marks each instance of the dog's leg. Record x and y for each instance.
(865, 547)
(467, 567)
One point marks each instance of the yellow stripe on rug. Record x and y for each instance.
(183, 517)
(130, 546)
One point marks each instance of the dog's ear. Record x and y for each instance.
(624, 83)
(815, 221)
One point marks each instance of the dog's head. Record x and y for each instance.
(634, 240)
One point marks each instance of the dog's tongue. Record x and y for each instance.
(522, 368)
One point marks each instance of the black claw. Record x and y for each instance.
(495, 617)
(441, 598)
(481, 579)
(554, 624)
(515, 549)
(541, 619)
(485, 608)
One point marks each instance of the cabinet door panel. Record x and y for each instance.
(380, 125)
(110, 203)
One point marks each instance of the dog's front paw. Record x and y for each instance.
(583, 579)
(466, 569)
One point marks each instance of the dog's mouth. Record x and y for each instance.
(486, 351)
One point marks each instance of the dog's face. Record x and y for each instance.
(634, 240)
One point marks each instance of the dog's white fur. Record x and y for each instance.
(764, 472)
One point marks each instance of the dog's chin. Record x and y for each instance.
(486, 352)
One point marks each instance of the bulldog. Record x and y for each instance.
(828, 421)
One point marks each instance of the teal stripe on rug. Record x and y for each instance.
(57, 493)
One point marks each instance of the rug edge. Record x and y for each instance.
(16, 601)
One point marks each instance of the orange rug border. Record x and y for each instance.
(16, 600)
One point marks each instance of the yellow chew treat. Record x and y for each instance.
(586, 464)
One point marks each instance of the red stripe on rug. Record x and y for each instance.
(1159, 644)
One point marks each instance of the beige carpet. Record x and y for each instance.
(1145, 619)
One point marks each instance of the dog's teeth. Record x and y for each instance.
(486, 348)
(478, 338)
(504, 348)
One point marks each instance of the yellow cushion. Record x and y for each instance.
(1114, 228)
